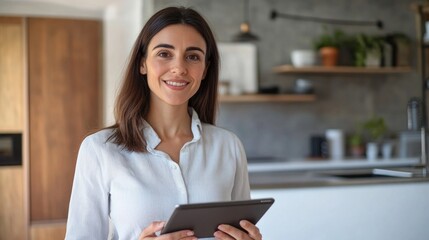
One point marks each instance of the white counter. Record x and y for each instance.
(305, 165)
(352, 209)
(371, 212)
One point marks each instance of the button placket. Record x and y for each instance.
(179, 181)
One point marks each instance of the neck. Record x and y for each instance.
(170, 121)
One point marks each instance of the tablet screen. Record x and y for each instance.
(204, 218)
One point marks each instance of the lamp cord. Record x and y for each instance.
(246, 11)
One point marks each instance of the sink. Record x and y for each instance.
(371, 173)
(361, 175)
(328, 177)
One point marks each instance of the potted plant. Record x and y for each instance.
(356, 145)
(328, 45)
(368, 50)
(375, 128)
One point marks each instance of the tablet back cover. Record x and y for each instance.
(204, 218)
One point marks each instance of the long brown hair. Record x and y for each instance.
(132, 103)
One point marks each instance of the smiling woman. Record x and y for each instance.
(164, 149)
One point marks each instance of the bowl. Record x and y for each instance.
(303, 86)
(303, 58)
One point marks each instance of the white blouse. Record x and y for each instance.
(133, 189)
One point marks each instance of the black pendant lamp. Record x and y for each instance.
(245, 35)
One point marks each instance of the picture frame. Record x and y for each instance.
(238, 67)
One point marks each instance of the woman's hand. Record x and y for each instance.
(149, 233)
(228, 232)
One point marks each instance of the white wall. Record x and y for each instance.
(370, 212)
(16, 8)
(123, 21)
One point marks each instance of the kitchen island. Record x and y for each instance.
(343, 201)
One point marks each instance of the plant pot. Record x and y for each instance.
(329, 56)
(372, 59)
(357, 151)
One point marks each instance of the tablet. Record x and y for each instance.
(204, 218)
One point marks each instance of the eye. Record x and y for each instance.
(164, 54)
(194, 57)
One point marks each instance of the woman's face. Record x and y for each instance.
(175, 64)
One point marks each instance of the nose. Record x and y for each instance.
(179, 67)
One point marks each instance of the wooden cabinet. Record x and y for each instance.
(64, 106)
(12, 209)
(12, 201)
(50, 91)
(11, 74)
(49, 231)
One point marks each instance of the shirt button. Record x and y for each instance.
(174, 167)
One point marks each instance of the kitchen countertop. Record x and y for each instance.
(319, 173)
(304, 165)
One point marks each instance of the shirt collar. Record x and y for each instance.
(152, 139)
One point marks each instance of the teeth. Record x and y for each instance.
(176, 84)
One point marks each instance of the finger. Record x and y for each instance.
(235, 233)
(151, 229)
(183, 235)
(219, 235)
(253, 231)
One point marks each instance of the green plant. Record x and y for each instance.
(365, 44)
(355, 140)
(334, 39)
(375, 127)
(356, 144)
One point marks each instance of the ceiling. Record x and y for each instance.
(79, 4)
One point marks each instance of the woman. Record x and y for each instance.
(164, 149)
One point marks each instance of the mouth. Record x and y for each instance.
(176, 84)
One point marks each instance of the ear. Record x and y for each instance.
(143, 69)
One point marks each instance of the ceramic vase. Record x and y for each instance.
(371, 151)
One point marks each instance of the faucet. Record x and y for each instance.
(416, 119)
(423, 155)
(416, 111)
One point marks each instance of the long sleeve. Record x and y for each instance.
(241, 190)
(89, 202)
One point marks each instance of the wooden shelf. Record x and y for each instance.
(341, 69)
(268, 98)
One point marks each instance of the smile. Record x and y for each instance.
(176, 84)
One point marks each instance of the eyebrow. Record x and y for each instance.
(164, 45)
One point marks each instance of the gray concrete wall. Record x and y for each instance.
(284, 129)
